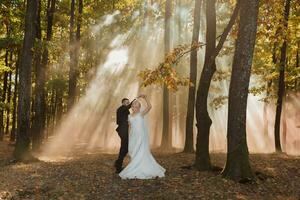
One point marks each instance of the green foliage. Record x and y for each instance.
(3, 67)
(10, 43)
(267, 51)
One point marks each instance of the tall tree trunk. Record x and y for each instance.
(189, 130)
(179, 21)
(203, 120)
(167, 130)
(73, 59)
(36, 119)
(59, 104)
(52, 111)
(3, 97)
(14, 114)
(269, 84)
(9, 94)
(281, 83)
(8, 98)
(202, 161)
(77, 49)
(177, 110)
(40, 102)
(265, 111)
(23, 139)
(237, 165)
(284, 124)
(297, 66)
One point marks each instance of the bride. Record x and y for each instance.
(142, 164)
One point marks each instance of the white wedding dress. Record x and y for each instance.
(142, 164)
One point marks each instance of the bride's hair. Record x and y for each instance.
(137, 102)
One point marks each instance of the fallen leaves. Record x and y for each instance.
(92, 177)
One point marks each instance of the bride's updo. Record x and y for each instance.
(136, 106)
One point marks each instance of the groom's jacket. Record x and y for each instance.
(122, 114)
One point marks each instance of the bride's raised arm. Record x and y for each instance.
(149, 106)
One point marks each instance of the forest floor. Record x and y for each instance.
(92, 177)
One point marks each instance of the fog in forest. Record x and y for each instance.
(91, 124)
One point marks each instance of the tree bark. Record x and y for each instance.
(40, 101)
(281, 83)
(14, 114)
(23, 139)
(284, 124)
(52, 111)
(3, 97)
(73, 59)
(203, 120)
(167, 131)
(8, 99)
(189, 130)
(78, 38)
(265, 111)
(202, 161)
(297, 66)
(36, 119)
(237, 165)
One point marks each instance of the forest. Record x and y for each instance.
(223, 78)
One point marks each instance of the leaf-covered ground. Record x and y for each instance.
(92, 177)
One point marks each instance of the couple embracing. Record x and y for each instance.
(135, 141)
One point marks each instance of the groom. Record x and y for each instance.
(122, 122)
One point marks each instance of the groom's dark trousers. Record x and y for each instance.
(123, 133)
(122, 121)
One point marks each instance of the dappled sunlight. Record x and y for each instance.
(91, 122)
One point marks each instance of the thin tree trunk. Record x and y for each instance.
(281, 83)
(8, 99)
(167, 130)
(284, 125)
(265, 111)
(53, 110)
(14, 114)
(297, 66)
(203, 120)
(179, 22)
(73, 59)
(3, 97)
(189, 130)
(4, 94)
(77, 49)
(202, 161)
(59, 104)
(9, 94)
(23, 139)
(237, 165)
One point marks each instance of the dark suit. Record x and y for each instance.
(122, 129)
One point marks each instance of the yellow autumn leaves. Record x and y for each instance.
(165, 74)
